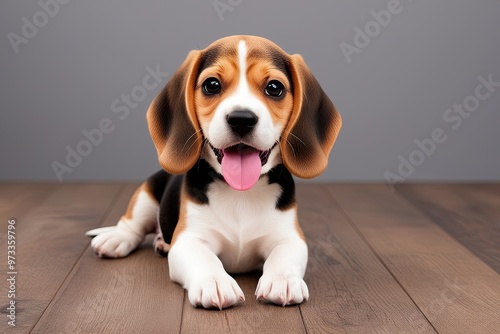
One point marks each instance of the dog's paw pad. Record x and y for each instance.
(215, 292)
(282, 290)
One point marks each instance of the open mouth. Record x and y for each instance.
(241, 164)
(242, 149)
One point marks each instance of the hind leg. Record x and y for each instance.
(139, 220)
(159, 244)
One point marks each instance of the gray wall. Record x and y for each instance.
(395, 89)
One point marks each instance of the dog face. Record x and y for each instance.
(244, 105)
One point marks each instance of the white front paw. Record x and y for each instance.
(217, 291)
(115, 243)
(282, 290)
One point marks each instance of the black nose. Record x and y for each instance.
(241, 121)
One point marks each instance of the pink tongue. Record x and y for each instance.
(241, 169)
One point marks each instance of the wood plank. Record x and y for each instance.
(128, 295)
(353, 240)
(457, 292)
(350, 290)
(259, 317)
(199, 320)
(17, 199)
(47, 246)
(470, 213)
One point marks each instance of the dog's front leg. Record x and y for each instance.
(196, 267)
(282, 280)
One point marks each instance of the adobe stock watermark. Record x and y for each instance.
(453, 118)
(121, 108)
(252, 323)
(223, 6)
(363, 37)
(322, 254)
(89, 309)
(436, 307)
(11, 307)
(31, 27)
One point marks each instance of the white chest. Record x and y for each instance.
(239, 225)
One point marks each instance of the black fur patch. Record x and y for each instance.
(210, 56)
(208, 59)
(324, 119)
(167, 190)
(170, 207)
(156, 184)
(282, 63)
(197, 180)
(283, 177)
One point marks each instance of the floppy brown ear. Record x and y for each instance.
(313, 126)
(172, 119)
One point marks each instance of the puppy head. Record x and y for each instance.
(245, 106)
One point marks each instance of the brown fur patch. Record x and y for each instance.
(227, 72)
(144, 187)
(299, 229)
(259, 73)
(130, 208)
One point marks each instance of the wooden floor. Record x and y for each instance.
(415, 259)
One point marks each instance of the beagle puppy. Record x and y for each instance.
(231, 127)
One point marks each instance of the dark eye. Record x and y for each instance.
(211, 86)
(275, 88)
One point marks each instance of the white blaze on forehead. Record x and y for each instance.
(242, 63)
